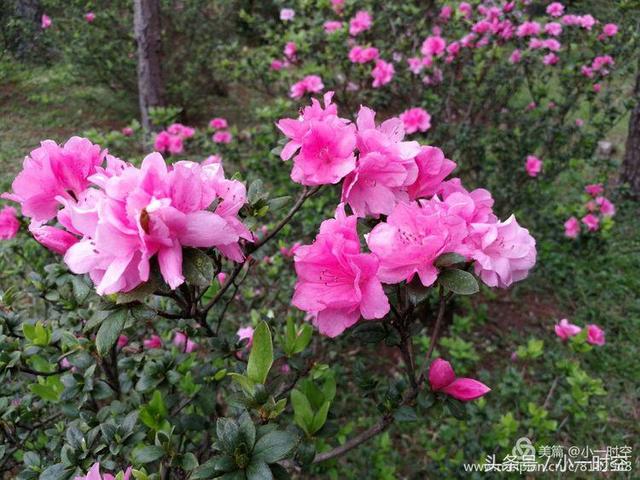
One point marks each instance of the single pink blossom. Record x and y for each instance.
(45, 21)
(332, 26)
(579, 122)
(89, 17)
(553, 28)
(564, 329)
(222, 278)
(591, 221)
(606, 207)
(515, 56)
(433, 168)
(416, 120)
(443, 379)
(337, 283)
(363, 54)
(9, 224)
(337, 6)
(445, 12)
(287, 14)
(123, 341)
(587, 22)
(55, 239)
(595, 335)
(550, 59)
(222, 136)
(610, 29)
(555, 9)
(597, 87)
(309, 84)
(465, 9)
(533, 165)
(290, 50)
(528, 29)
(433, 46)
(382, 73)
(361, 22)
(276, 65)
(218, 123)
(154, 341)
(571, 227)
(594, 189)
(246, 333)
(184, 343)
(127, 131)
(415, 65)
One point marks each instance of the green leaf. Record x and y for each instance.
(258, 470)
(304, 337)
(197, 267)
(261, 356)
(320, 417)
(302, 411)
(247, 429)
(448, 259)
(274, 446)
(213, 468)
(245, 383)
(55, 472)
(188, 461)
(109, 331)
(405, 414)
(459, 281)
(147, 454)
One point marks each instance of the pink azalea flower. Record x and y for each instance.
(415, 65)
(595, 335)
(597, 87)
(89, 17)
(337, 6)
(337, 283)
(276, 65)
(218, 123)
(382, 73)
(127, 131)
(52, 173)
(550, 59)
(533, 165)
(245, 333)
(505, 252)
(610, 29)
(443, 379)
(553, 28)
(287, 14)
(363, 54)
(9, 224)
(528, 29)
(326, 143)
(184, 343)
(606, 207)
(181, 130)
(416, 120)
(465, 9)
(515, 56)
(332, 26)
(165, 142)
(222, 136)
(45, 21)
(433, 46)
(555, 9)
(361, 22)
(385, 167)
(309, 84)
(94, 474)
(123, 341)
(591, 221)
(564, 329)
(290, 50)
(594, 189)
(571, 228)
(433, 168)
(579, 122)
(222, 278)
(445, 12)
(154, 341)
(587, 22)
(55, 239)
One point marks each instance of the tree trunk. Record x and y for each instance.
(631, 163)
(146, 24)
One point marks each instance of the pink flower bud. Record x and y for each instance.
(442, 379)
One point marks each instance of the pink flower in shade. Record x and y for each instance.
(597, 87)
(579, 122)
(610, 29)
(571, 227)
(127, 131)
(591, 221)
(594, 189)
(533, 165)
(94, 474)
(337, 283)
(415, 65)
(165, 142)
(595, 335)
(332, 26)
(416, 120)
(222, 136)
(276, 65)
(337, 6)
(433, 168)
(382, 73)
(45, 22)
(363, 54)
(361, 22)
(445, 12)
(218, 123)
(181, 130)
(385, 166)
(123, 341)
(245, 333)
(9, 224)
(515, 56)
(89, 17)
(550, 59)
(222, 278)
(553, 28)
(555, 9)
(154, 341)
(326, 143)
(433, 46)
(287, 14)
(309, 84)
(443, 379)
(55, 239)
(505, 252)
(587, 22)
(465, 9)
(290, 50)
(606, 207)
(564, 329)
(52, 173)
(184, 343)
(528, 29)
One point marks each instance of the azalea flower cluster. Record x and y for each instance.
(221, 134)
(598, 208)
(172, 139)
(115, 218)
(427, 216)
(565, 330)
(94, 474)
